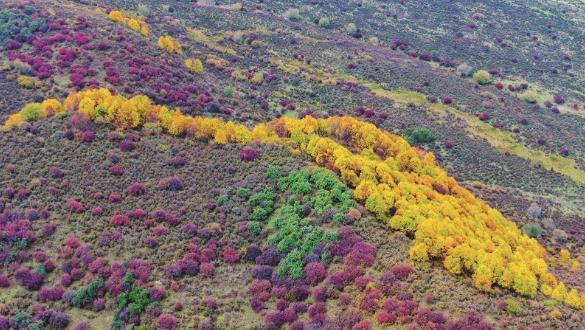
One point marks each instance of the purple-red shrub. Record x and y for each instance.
(385, 318)
(167, 322)
(116, 170)
(276, 318)
(99, 304)
(157, 294)
(136, 189)
(472, 320)
(151, 242)
(49, 266)
(97, 211)
(248, 154)
(80, 39)
(316, 309)
(230, 255)
(87, 136)
(114, 197)
(401, 271)
(159, 230)
(137, 214)
(315, 272)
(39, 256)
(279, 291)
(28, 279)
(50, 294)
(344, 299)
(260, 289)
(207, 269)
(4, 281)
(189, 229)
(269, 256)
(370, 300)
(189, 265)
(75, 206)
(252, 252)
(361, 253)
(120, 220)
(178, 161)
(299, 292)
(256, 304)
(362, 281)
(297, 325)
(66, 280)
(126, 145)
(262, 272)
(362, 325)
(57, 320)
(432, 98)
(320, 293)
(56, 172)
(22, 194)
(171, 183)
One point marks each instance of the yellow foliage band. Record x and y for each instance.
(402, 185)
(136, 24)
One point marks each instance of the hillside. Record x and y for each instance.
(292, 164)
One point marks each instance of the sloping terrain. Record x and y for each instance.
(276, 197)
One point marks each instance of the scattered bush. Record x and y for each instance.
(170, 44)
(84, 297)
(532, 230)
(315, 272)
(136, 189)
(194, 65)
(534, 211)
(293, 14)
(28, 279)
(120, 220)
(513, 307)
(248, 154)
(482, 77)
(167, 322)
(402, 271)
(324, 22)
(529, 96)
(418, 136)
(171, 183)
(464, 70)
(32, 111)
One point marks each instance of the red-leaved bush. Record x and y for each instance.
(248, 154)
(120, 220)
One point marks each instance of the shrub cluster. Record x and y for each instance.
(402, 185)
(194, 65)
(137, 24)
(170, 44)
